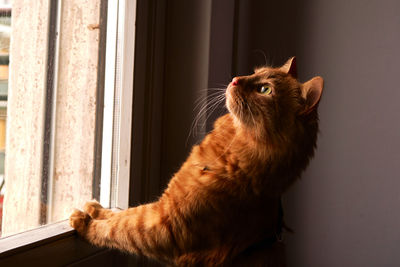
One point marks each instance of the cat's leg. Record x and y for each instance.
(96, 211)
(145, 230)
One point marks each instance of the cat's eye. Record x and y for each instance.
(265, 89)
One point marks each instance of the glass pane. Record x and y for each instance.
(51, 106)
(5, 31)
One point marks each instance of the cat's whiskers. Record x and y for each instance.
(203, 108)
(200, 100)
(213, 107)
(210, 106)
(223, 88)
(206, 105)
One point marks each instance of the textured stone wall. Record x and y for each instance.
(25, 115)
(76, 107)
(72, 174)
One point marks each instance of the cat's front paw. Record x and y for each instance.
(79, 220)
(93, 208)
(96, 211)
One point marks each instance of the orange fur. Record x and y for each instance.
(225, 198)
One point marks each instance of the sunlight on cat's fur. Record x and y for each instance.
(222, 208)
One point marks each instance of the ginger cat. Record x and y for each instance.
(222, 208)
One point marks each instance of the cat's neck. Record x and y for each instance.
(229, 141)
(245, 141)
(235, 145)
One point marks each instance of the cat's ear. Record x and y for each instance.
(312, 92)
(290, 67)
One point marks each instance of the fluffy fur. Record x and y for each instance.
(225, 198)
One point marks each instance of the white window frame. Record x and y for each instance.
(57, 244)
(118, 98)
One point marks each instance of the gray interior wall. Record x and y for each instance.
(345, 209)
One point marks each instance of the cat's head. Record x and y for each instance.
(271, 102)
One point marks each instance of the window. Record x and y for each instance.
(51, 111)
(69, 119)
(55, 109)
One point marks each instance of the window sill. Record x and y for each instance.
(51, 245)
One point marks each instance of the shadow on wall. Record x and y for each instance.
(269, 32)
